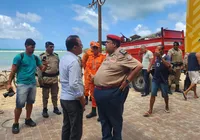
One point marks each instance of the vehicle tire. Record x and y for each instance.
(138, 82)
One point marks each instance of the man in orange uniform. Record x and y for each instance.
(87, 79)
(93, 64)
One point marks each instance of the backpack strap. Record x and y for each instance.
(22, 56)
(36, 58)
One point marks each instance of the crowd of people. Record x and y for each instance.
(106, 82)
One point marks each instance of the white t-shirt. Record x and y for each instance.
(146, 59)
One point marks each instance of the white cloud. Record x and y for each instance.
(177, 16)
(179, 19)
(158, 29)
(131, 9)
(142, 30)
(32, 17)
(11, 29)
(180, 26)
(79, 31)
(88, 16)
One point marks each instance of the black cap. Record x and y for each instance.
(29, 42)
(48, 43)
(176, 43)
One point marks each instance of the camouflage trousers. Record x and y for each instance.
(53, 88)
(174, 79)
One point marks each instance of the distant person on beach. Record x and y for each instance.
(112, 86)
(72, 91)
(160, 79)
(24, 66)
(193, 72)
(49, 79)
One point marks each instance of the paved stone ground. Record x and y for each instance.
(182, 123)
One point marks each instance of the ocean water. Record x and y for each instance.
(6, 57)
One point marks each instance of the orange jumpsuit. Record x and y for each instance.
(93, 64)
(87, 79)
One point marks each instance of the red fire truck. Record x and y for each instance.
(165, 37)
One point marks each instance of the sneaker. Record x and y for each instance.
(56, 111)
(15, 128)
(30, 122)
(90, 98)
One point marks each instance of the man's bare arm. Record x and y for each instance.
(11, 76)
(43, 67)
(130, 77)
(167, 64)
(198, 57)
(151, 60)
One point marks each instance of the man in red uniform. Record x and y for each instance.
(93, 64)
(87, 79)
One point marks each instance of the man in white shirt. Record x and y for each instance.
(72, 97)
(147, 62)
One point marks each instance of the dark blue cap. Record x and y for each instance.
(48, 43)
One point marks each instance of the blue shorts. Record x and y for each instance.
(25, 94)
(163, 87)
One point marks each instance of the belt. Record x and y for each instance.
(107, 87)
(177, 64)
(44, 74)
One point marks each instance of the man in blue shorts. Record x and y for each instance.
(24, 65)
(160, 79)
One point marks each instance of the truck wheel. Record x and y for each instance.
(138, 83)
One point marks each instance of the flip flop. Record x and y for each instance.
(147, 114)
(167, 111)
(184, 95)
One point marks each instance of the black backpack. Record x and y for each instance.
(36, 58)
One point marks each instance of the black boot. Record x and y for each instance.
(56, 111)
(90, 98)
(170, 92)
(92, 114)
(86, 100)
(45, 113)
(177, 89)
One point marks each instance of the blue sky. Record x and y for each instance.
(51, 20)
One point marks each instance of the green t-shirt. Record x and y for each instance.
(26, 68)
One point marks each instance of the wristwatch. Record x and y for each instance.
(127, 81)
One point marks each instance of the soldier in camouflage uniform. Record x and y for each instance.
(49, 79)
(177, 64)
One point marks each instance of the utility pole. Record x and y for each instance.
(99, 26)
(98, 3)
